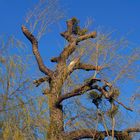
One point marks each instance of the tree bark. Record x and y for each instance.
(56, 129)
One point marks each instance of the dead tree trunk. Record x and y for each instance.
(74, 34)
(56, 115)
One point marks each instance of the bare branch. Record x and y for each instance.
(55, 59)
(75, 92)
(88, 67)
(78, 91)
(68, 33)
(123, 105)
(86, 36)
(130, 130)
(71, 119)
(65, 35)
(71, 36)
(68, 50)
(107, 96)
(34, 43)
(70, 24)
(108, 84)
(92, 133)
(41, 80)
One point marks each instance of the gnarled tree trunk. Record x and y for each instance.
(56, 129)
(74, 34)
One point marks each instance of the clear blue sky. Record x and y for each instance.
(122, 15)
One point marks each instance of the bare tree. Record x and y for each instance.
(12, 85)
(99, 88)
(21, 114)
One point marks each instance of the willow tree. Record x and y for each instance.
(98, 88)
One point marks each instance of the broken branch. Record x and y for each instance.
(86, 36)
(88, 67)
(41, 80)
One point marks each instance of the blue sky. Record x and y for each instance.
(121, 15)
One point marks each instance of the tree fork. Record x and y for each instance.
(56, 80)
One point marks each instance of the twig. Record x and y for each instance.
(123, 105)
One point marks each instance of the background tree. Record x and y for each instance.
(22, 115)
(100, 88)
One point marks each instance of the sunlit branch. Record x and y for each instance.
(72, 38)
(41, 80)
(68, 33)
(34, 43)
(88, 67)
(68, 51)
(86, 36)
(123, 105)
(78, 91)
(73, 64)
(90, 133)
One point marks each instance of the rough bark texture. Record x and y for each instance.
(56, 80)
